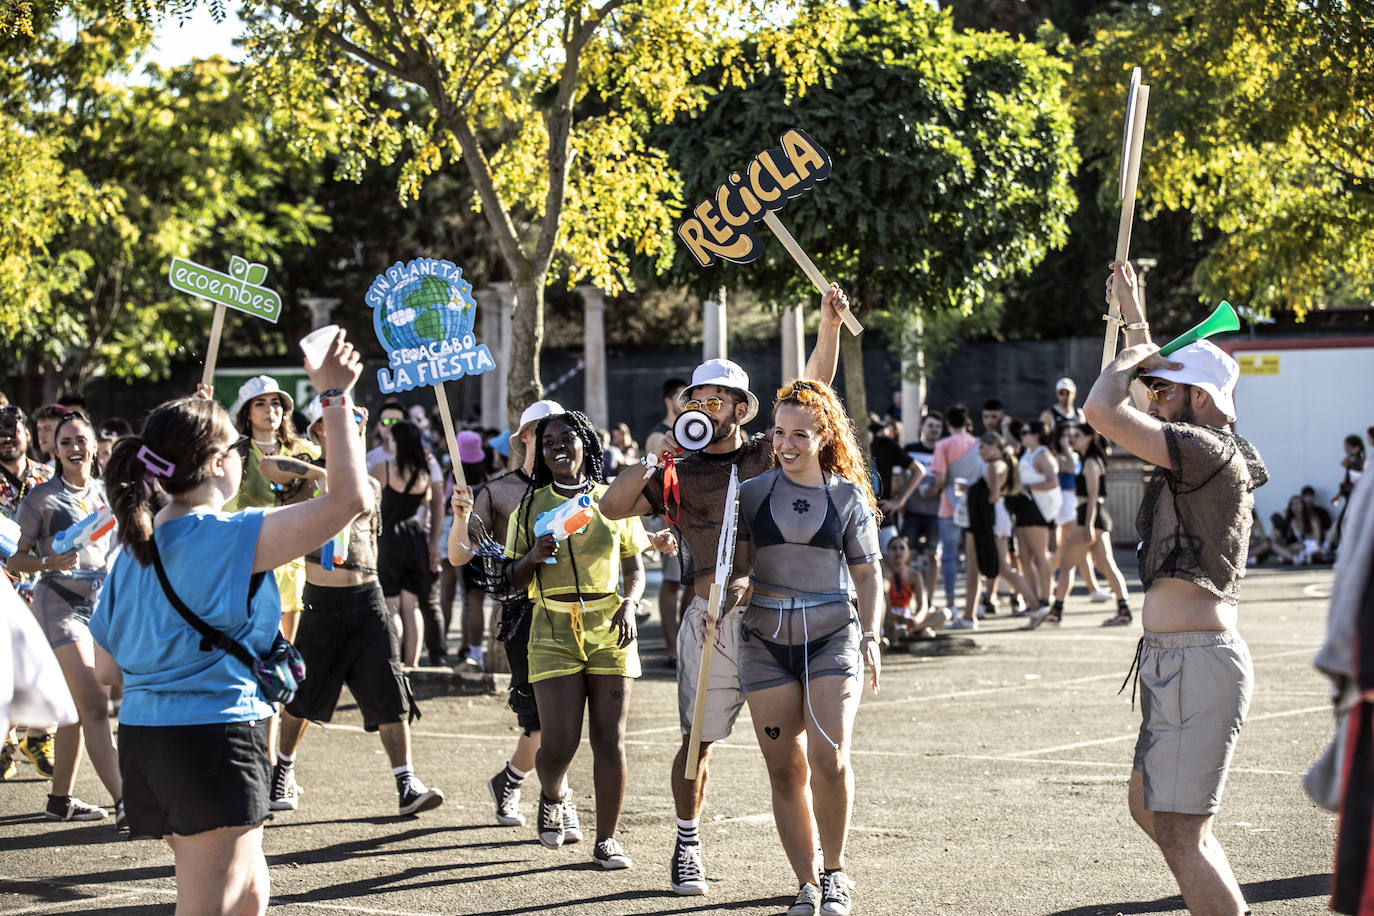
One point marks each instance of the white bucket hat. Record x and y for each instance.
(722, 373)
(256, 387)
(1205, 366)
(536, 412)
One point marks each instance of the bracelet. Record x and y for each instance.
(43, 562)
(872, 636)
(1138, 326)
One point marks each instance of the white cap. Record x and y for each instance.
(722, 373)
(256, 387)
(1205, 366)
(1066, 383)
(538, 411)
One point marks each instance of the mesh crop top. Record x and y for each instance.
(804, 539)
(1195, 519)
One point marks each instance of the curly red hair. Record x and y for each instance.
(841, 454)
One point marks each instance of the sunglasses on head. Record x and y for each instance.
(710, 405)
(799, 390)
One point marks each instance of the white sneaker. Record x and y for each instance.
(960, 623)
(1100, 596)
(808, 901)
(835, 888)
(1037, 617)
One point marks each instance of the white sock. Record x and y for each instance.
(404, 769)
(286, 760)
(515, 771)
(687, 831)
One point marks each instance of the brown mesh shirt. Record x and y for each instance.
(702, 481)
(1195, 519)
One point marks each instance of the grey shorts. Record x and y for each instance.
(764, 663)
(672, 569)
(723, 697)
(1194, 693)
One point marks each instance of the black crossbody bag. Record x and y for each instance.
(279, 674)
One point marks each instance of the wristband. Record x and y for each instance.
(1138, 326)
(872, 636)
(335, 397)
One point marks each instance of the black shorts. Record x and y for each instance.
(473, 578)
(345, 638)
(1102, 522)
(1025, 513)
(403, 560)
(187, 779)
(518, 612)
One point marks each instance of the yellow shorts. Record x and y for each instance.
(568, 639)
(290, 583)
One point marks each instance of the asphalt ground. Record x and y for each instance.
(990, 779)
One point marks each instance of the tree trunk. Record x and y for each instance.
(523, 385)
(855, 394)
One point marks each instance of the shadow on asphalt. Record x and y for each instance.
(1256, 892)
(91, 833)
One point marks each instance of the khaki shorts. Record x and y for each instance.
(723, 696)
(1194, 693)
(557, 650)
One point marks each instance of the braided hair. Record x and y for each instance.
(591, 469)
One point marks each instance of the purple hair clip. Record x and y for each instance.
(157, 465)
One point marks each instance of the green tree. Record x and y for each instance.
(183, 166)
(1259, 127)
(545, 103)
(953, 154)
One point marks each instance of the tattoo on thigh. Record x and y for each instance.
(772, 731)
(617, 694)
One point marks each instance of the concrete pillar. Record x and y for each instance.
(793, 342)
(594, 354)
(320, 310)
(714, 327)
(489, 334)
(913, 386)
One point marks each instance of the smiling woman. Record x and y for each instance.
(583, 655)
(808, 538)
(69, 581)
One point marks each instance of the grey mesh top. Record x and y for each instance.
(47, 510)
(803, 541)
(1194, 521)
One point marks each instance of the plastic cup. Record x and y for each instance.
(316, 344)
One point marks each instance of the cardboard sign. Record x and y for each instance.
(423, 313)
(722, 225)
(240, 289)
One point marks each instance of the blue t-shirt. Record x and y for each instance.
(168, 680)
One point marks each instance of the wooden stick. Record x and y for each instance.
(812, 272)
(1123, 230)
(708, 648)
(455, 460)
(207, 377)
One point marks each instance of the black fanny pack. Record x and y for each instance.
(278, 675)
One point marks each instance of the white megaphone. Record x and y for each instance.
(693, 430)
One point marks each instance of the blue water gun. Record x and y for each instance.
(9, 537)
(85, 532)
(565, 520)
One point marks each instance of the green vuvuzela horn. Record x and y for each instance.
(1223, 318)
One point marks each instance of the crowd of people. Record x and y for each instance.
(838, 555)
